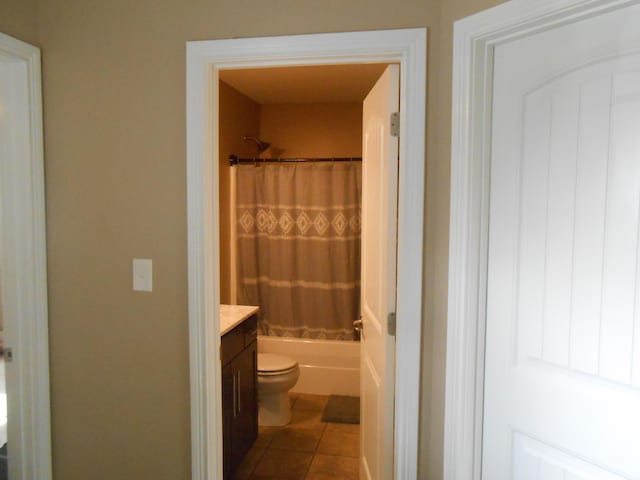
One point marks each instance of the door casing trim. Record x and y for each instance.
(23, 258)
(475, 38)
(407, 47)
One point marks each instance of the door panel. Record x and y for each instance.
(577, 233)
(379, 218)
(228, 384)
(534, 460)
(562, 356)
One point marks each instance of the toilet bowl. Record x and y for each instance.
(277, 374)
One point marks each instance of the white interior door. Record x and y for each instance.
(379, 219)
(23, 263)
(562, 380)
(14, 144)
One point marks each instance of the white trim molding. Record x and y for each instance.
(204, 60)
(475, 38)
(23, 273)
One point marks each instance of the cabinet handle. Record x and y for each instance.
(239, 394)
(235, 398)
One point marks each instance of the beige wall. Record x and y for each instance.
(312, 129)
(114, 103)
(239, 116)
(19, 18)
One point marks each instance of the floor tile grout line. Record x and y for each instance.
(335, 455)
(260, 457)
(315, 452)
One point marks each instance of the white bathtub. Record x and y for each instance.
(326, 366)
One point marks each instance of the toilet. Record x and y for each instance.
(277, 375)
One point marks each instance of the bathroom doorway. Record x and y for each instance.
(407, 48)
(309, 175)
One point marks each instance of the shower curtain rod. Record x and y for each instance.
(234, 160)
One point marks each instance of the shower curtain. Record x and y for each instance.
(298, 247)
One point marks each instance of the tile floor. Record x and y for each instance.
(306, 449)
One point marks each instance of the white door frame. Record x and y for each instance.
(204, 60)
(23, 272)
(475, 38)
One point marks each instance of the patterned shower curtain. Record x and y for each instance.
(298, 247)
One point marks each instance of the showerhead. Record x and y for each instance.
(262, 146)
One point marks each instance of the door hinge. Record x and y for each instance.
(395, 124)
(8, 354)
(391, 323)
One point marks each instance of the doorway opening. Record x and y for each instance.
(291, 222)
(407, 48)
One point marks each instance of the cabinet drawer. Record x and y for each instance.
(232, 344)
(236, 340)
(250, 330)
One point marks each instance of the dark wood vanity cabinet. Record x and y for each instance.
(239, 356)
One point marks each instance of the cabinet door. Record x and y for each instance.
(245, 427)
(228, 394)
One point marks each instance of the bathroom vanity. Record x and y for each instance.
(238, 355)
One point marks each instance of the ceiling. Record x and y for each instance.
(307, 84)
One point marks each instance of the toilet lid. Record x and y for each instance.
(270, 362)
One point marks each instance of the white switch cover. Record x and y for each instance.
(142, 274)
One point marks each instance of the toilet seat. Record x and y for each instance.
(272, 364)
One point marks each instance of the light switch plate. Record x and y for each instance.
(142, 274)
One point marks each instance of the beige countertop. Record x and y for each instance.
(233, 315)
